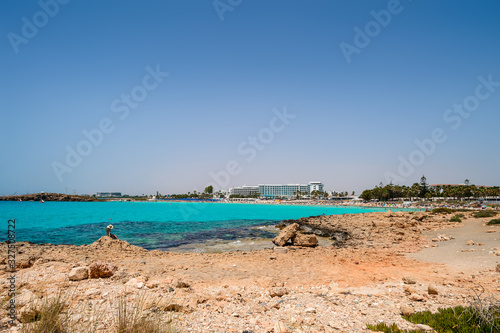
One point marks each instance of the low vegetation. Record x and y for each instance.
(485, 213)
(481, 316)
(56, 315)
(493, 222)
(47, 316)
(442, 210)
(457, 218)
(132, 317)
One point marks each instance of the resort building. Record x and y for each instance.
(244, 190)
(289, 190)
(277, 190)
(315, 186)
(108, 194)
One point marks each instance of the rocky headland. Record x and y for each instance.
(47, 197)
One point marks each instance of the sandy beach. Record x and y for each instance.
(388, 262)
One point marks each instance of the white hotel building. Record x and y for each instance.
(278, 190)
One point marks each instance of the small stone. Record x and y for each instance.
(102, 269)
(417, 297)
(498, 268)
(406, 311)
(310, 310)
(280, 327)
(424, 327)
(182, 284)
(491, 231)
(92, 292)
(409, 280)
(278, 292)
(236, 315)
(280, 249)
(137, 282)
(78, 274)
(470, 242)
(152, 284)
(432, 290)
(409, 290)
(174, 307)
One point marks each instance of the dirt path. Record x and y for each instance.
(459, 256)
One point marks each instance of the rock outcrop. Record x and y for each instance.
(101, 269)
(79, 273)
(304, 240)
(286, 234)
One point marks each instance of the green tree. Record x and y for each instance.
(424, 187)
(367, 195)
(209, 189)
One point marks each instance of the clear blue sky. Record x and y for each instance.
(360, 100)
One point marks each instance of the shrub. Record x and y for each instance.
(132, 318)
(484, 213)
(383, 327)
(46, 317)
(493, 222)
(442, 210)
(53, 315)
(456, 218)
(481, 316)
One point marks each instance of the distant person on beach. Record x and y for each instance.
(108, 232)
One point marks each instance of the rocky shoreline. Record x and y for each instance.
(364, 277)
(47, 197)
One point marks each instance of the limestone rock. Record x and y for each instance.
(182, 284)
(280, 327)
(137, 282)
(79, 273)
(424, 327)
(409, 290)
(406, 310)
(101, 269)
(304, 240)
(278, 292)
(498, 268)
(286, 234)
(26, 262)
(470, 242)
(280, 249)
(417, 297)
(174, 307)
(432, 290)
(409, 280)
(92, 292)
(24, 298)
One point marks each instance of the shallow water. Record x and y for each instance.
(152, 225)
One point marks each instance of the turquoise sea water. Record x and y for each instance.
(152, 225)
